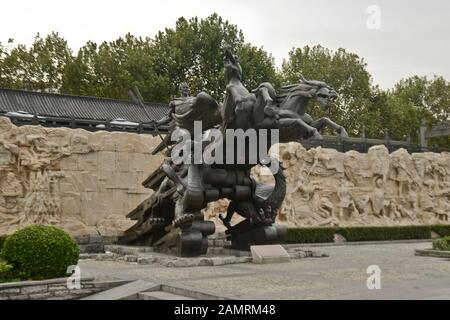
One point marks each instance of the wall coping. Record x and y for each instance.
(19, 284)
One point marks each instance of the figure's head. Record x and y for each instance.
(379, 182)
(231, 64)
(184, 89)
(10, 177)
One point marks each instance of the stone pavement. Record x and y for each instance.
(341, 276)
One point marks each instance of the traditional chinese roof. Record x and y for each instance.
(78, 107)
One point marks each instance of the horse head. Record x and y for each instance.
(293, 95)
(321, 91)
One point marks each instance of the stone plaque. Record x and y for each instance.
(269, 254)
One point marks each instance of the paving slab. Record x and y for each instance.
(342, 275)
(125, 291)
(269, 254)
(162, 295)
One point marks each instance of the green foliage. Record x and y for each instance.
(414, 99)
(442, 244)
(441, 229)
(2, 241)
(6, 271)
(40, 252)
(5, 267)
(38, 68)
(309, 235)
(385, 233)
(191, 52)
(317, 235)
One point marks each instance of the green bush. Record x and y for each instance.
(6, 272)
(442, 244)
(40, 252)
(384, 233)
(2, 241)
(442, 230)
(309, 235)
(317, 235)
(5, 267)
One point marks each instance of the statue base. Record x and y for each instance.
(186, 242)
(243, 236)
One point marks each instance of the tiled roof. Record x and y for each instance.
(78, 107)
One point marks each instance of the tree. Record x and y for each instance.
(112, 68)
(39, 67)
(417, 98)
(192, 52)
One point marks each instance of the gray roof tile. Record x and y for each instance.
(78, 107)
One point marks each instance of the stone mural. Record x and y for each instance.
(330, 188)
(88, 182)
(81, 181)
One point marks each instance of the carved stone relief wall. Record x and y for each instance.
(84, 182)
(330, 188)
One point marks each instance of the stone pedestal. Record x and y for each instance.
(269, 254)
(187, 242)
(249, 236)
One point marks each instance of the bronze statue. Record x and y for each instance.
(171, 220)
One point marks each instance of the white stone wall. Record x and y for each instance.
(79, 180)
(330, 188)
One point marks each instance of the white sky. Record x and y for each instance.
(414, 37)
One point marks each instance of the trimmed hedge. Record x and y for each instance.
(385, 233)
(324, 235)
(309, 235)
(40, 252)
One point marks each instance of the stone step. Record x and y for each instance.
(161, 295)
(194, 293)
(127, 291)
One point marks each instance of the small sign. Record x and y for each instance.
(269, 254)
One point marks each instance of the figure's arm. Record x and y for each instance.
(167, 118)
(266, 96)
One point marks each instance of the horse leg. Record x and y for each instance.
(227, 219)
(292, 123)
(321, 123)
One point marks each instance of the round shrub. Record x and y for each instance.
(5, 271)
(441, 244)
(41, 252)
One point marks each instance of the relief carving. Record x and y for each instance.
(48, 174)
(329, 188)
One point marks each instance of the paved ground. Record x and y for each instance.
(341, 276)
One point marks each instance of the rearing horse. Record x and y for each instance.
(293, 102)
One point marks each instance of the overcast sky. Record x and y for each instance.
(414, 35)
